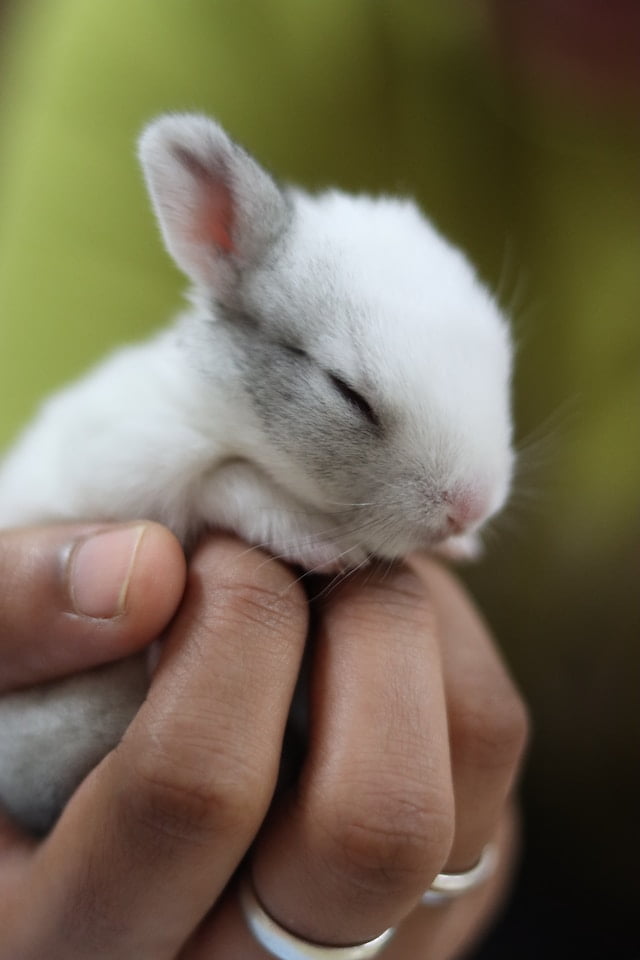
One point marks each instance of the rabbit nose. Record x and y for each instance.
(464, 508)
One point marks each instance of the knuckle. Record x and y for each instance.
(390, 843)
(492, 733)
(188, 802)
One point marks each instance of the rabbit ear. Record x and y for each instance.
(217, 208)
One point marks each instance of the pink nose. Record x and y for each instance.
(464, 508)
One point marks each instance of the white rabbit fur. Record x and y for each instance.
(243, 414)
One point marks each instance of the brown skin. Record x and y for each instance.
(415, 741)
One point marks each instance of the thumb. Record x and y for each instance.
(73, 597)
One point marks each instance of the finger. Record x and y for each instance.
(425, 932)
(153, 835)
(371, 821)
(73, 597)
(453, 930)
(487, 718)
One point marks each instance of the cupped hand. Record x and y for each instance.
(415, 738)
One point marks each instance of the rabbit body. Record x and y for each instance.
(339, 389)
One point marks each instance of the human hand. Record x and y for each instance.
(416, 738)
(149, 842)
(152, 836)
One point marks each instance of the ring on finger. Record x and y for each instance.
(448, 886)
(285, 946)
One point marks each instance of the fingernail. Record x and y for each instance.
(100, 569)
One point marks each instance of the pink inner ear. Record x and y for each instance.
(216, 216)
(213, 219)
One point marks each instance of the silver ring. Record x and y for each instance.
(447, 886)
(283, 945)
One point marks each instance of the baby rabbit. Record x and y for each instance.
(339, 390)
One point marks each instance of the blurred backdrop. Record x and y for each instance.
(516, 127)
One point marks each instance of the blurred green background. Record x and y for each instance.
(516, 127)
